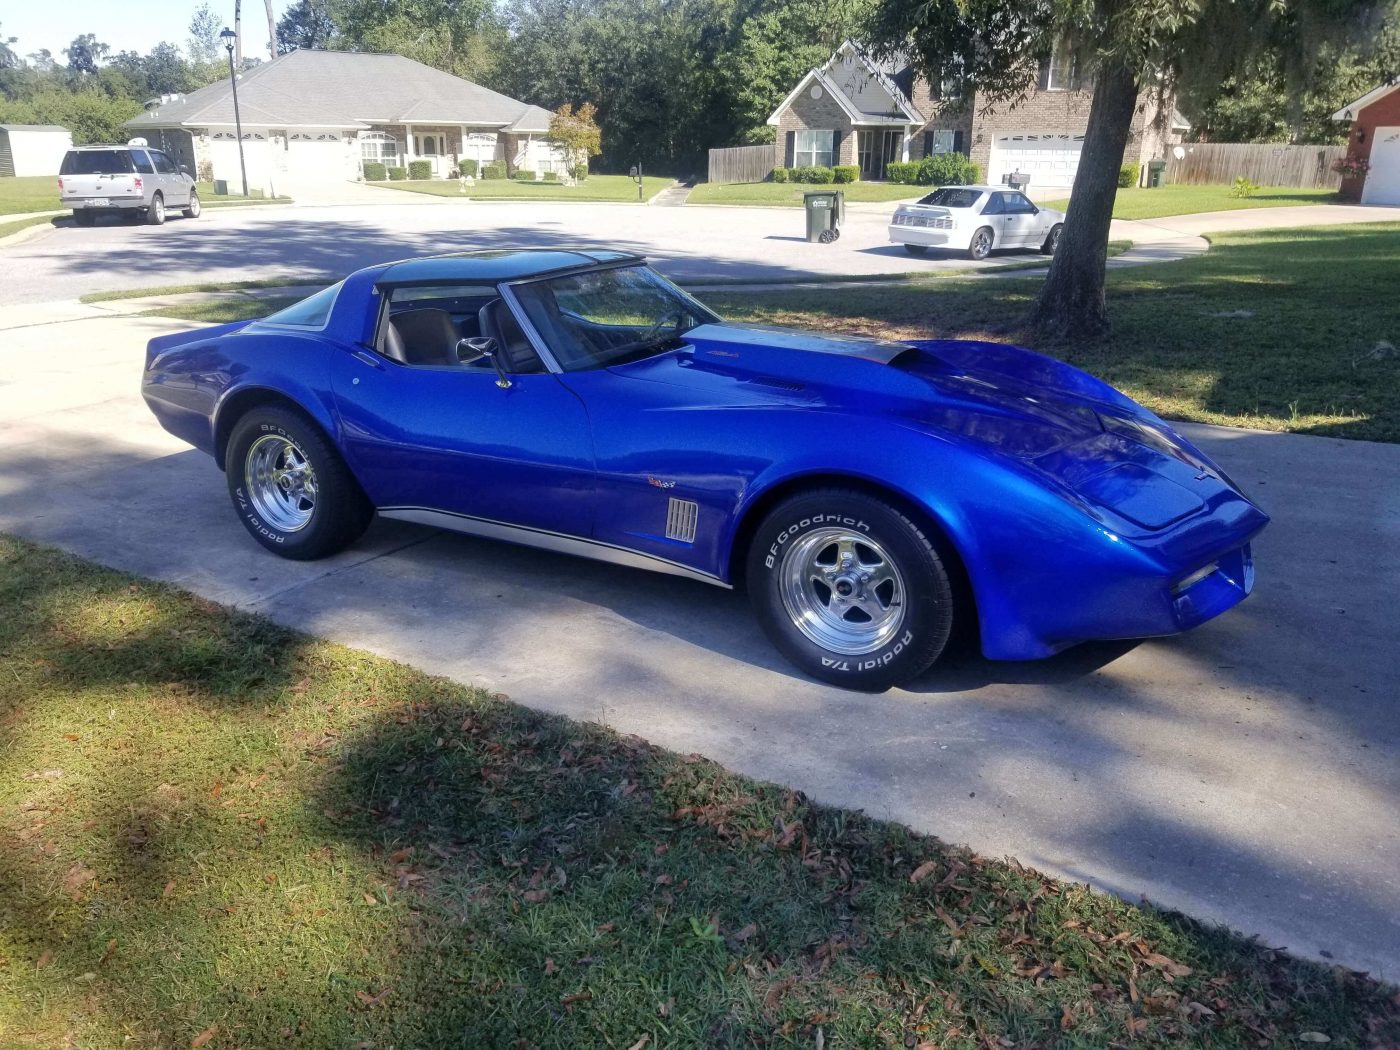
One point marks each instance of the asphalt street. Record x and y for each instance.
(1247, 773)
(236, 244)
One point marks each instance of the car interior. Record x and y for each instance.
(427, 327)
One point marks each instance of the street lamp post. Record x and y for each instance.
(228, 36)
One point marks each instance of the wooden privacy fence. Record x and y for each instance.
(741, 164)
(1305, 167)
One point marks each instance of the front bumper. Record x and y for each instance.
(932, 238)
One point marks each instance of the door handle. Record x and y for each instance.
(365, 357)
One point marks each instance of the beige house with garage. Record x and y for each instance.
(312, 117)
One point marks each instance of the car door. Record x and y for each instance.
(172, 182)
(1022, 220)
(430, 439)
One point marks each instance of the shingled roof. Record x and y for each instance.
(344, 89)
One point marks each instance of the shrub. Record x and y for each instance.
(906, 173)
(374, 171)
(551, 176)
(813, 173)
(493, 171)
(1243, 188)
(948, 169)
(846, 173)
(579, 172)
(466, 167)
(780, 175)
(420, 169)
(1128, 175)
(206, 170)
(524, 176)
(397, 174)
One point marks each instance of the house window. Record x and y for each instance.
(379, 146)
(431, 145)
(813, 148)
(1061, 72)
(938, 142)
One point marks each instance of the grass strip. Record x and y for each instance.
(219, 832)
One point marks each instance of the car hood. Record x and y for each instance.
(1018, 400)
(1004, 399)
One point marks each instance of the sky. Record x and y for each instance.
(128, 25)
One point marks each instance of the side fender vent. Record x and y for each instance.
(681, 519)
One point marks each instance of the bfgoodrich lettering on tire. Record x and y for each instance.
(290, 488)
(850, 589)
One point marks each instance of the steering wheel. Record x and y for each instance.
(676, 317)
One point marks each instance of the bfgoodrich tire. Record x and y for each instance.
(290, 488)
(850, 589)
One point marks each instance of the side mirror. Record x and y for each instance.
(475, 348)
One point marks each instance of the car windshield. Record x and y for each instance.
(952, 197)
(605, 317)
(97, 162)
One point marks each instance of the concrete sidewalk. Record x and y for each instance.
(1247, 773)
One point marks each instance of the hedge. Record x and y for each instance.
(846, 173)
(493, 171)
(420, 169)
(524, 176)
(1128, 175)
(815, 173)
(780, 175)
(551, 176)
(397, 174)
(374, 171)
(941, 169)
(580, 172)
(466, 167)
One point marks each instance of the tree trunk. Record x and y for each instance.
(271, 29)
(1071, 304)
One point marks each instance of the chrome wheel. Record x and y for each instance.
(281, 483)
(981, 244)
(843, 591)
(194, 206)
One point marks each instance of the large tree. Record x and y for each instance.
(1125, 46)
(204, 46)
(306, 24)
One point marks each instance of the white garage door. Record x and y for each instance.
(318, 157)
(1049, 158)
(1383, 180)
(223, 151)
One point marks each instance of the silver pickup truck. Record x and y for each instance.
(124, 180)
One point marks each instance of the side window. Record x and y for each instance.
(312, 312)
(164, 165)
(1020, 204)
(142, 161)
(994, 205)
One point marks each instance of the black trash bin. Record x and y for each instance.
(824, 209)
(1156, 172)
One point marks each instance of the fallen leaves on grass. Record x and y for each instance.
(370, 1002)
(923, 871)
(79, 875)
(204, 1036)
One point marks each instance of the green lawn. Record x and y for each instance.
(216, 832)
(40, 193)
(594, 188)
(1279, 329)
(789, 195)
(1187, 200)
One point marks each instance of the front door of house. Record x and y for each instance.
(877, 149)
(431, 147)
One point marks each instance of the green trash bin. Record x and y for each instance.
(824, 210)
(1156, 170)
(220, 187)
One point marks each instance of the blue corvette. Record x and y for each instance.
(869, 495)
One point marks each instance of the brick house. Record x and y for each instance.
(1374, 138)
(856, 110)
(315, 116)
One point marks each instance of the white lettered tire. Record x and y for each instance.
(850, 589)
(290, 488)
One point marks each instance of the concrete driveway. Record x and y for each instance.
(1247, 773)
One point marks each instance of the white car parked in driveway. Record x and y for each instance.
(975, 219)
